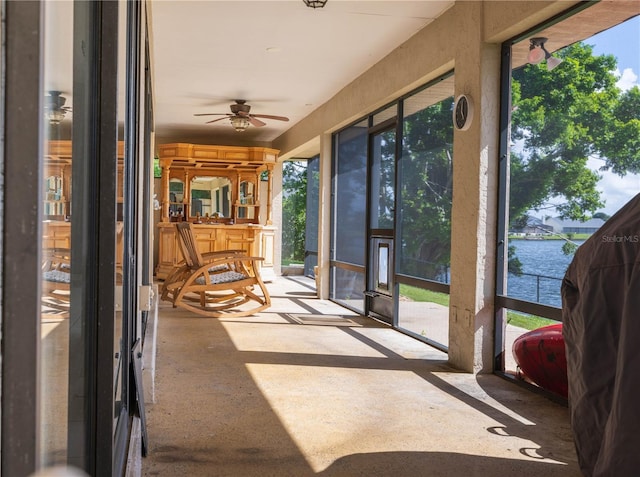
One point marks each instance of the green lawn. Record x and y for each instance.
(420, 294)
(286, 262)
(528, 322)
(521, 320)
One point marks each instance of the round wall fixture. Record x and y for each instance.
(463, 112)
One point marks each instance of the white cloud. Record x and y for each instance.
(616, 190)
(627, 80)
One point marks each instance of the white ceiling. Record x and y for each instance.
(283, 57)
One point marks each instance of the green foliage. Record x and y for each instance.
(294, 203)
(175, 186)
(569, 248)
(200, 194)
(560, 119)
(426, 191)
(563, 117)
(514, 265)
(157, 170)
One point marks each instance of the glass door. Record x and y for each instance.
(381, 223)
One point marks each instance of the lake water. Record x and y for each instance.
(543, 267)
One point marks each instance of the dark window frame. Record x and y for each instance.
(21, 235)
(503, 302)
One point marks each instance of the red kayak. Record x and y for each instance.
(541, 358)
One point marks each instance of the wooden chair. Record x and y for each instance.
(215, 283)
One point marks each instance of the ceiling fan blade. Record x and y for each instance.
(269, 116)
(256, 122)
(214, 120)
(212, 114)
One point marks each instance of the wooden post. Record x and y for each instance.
(269, 194)
(165, 193)
(186, 197)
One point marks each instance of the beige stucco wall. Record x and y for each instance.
(467, 39)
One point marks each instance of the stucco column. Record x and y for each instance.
(324, 216)
(475, 172)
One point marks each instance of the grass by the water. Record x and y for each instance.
(420, 294)
(521, 320)
(528, 322)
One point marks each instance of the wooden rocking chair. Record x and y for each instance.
(56, 281)
(215, 283)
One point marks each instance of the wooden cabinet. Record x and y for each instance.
(217, 181)
(209, 238)
(56, 234)
(221, 197)
(206, 238)
(57, 179)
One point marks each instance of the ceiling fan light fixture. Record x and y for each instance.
(55, 116)
(315, 3)
(552, 62)
(240, 123)
(537, 53)
(54, 108)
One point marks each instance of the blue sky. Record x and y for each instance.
(622, 41)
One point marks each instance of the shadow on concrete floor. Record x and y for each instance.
(269, 396)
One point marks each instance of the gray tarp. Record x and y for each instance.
(601, 316)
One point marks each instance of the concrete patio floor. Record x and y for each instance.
(289, 393)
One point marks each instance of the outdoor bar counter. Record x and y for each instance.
(225, 192)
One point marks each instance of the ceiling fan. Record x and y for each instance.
(241, 118)
(54, 107)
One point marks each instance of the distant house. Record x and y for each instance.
(534, 226)
(573, 226)
(549, 225)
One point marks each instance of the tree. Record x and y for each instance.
(294, 203)
(562, 118)
(601, 215)
(426, 192)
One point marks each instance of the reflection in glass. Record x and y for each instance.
(348, 287)
(247, 198)
(120, 346)
(350, 193)
(54, 198)
(206, 194)
(426, 179)
(383, 187)
(56, 240)
(425, 197)
(176, 198)
(383, 266)
(424, 313)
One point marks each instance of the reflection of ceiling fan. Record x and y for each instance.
(240, 117)
(54, 107)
